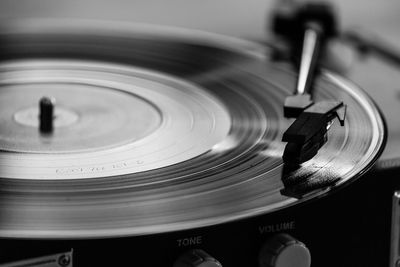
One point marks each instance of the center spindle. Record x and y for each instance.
(46, 114)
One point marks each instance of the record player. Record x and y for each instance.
(126, 144)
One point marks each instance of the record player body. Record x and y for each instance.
(164, 141)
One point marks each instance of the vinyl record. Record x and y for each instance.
(157, 130)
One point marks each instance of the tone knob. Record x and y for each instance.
(196, 258)
(282, 250)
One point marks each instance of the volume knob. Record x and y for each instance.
(196, 258)
(282, 250)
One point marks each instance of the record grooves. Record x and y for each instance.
(156, 134)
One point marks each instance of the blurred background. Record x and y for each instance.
(246, 19)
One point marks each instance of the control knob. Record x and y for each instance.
(196, 258)
(282, 250)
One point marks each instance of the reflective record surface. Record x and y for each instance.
(156, 130)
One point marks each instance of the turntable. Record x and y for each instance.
(155, 146)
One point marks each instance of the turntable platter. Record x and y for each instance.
(191, 128)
